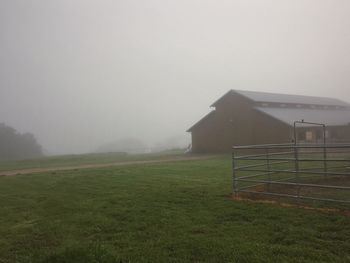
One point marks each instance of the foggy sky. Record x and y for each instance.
(81, 73)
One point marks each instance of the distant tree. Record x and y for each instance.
(14, 145)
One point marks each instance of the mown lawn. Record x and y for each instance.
(170, 212)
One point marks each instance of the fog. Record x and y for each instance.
(79, 74)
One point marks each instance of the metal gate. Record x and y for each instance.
(318, 172)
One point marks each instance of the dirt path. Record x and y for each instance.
(88, 166)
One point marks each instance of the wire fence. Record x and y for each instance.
(314, 172)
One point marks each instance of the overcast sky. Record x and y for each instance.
(81, 73)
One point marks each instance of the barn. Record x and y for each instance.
(249, 117)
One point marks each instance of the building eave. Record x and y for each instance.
(200, 121)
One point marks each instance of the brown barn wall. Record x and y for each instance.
(340, 134)
(236, 122)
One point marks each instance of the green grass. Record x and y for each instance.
(169, 212)
(81, 159)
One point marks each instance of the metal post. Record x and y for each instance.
(324, 151)
(296, 161)
(295, 133)
(296, 167)
(234, 179)
(268, 170)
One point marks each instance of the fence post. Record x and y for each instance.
(325, 169)
(234, 179)
(296, 167)
(268, 170)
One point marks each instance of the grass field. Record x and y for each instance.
(170, 212)
(81, 159)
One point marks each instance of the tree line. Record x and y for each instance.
(15, 145)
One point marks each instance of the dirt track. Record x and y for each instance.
(87, 166)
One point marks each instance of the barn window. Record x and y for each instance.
(309, 135)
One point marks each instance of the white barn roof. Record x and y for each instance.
(258, 97)
(325, 116)
(286, 98)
